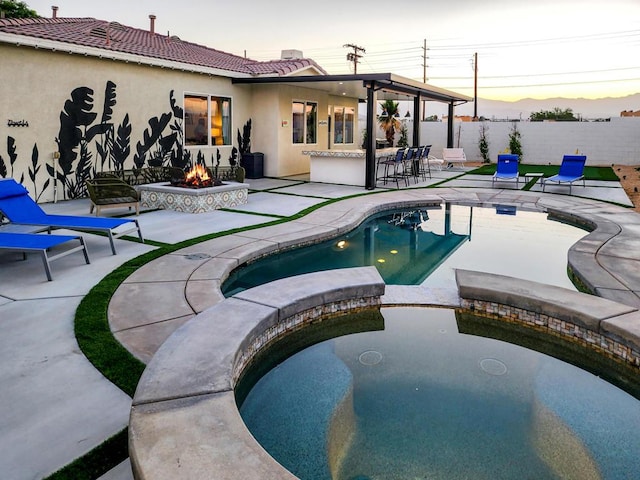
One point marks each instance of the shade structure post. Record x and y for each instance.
(370, 144)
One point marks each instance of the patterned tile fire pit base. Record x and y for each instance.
(193, 200)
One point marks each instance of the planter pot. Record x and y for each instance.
(253, 163)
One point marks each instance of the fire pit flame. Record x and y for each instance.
(197, 177)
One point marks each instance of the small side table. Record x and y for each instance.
(537, 176)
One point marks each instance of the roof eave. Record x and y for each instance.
(56, 46)
(384, 81)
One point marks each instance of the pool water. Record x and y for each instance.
(424, 246)
(419, 400)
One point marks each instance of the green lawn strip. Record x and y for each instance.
(98, 461)
(590, 173)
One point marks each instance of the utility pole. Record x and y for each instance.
(475, 87)
(424, 77)
(355, 55)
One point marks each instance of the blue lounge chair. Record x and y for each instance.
(32, 242)
(19, 208)
(571, 170)
(507, 169)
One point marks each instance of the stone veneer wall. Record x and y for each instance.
(297, 322)
(554, 326)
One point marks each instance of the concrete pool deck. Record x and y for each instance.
(49, 383)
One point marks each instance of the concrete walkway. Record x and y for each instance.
(55, 403)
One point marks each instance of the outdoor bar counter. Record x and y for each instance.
(346, 167)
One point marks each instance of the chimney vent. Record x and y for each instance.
(152, 26)
(54, 11)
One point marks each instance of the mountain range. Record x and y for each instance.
(585, 108)
(589, 109)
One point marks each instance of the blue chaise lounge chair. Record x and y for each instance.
(506, 169)
(32, 242)
(19, 208)
(571, 170)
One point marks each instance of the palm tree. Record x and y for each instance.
(389, 120)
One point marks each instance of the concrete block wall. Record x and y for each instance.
(604, 143)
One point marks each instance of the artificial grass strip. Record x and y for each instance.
(590, 173)
(98, 461)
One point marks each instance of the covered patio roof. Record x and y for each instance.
(394, 87)
(372, 87)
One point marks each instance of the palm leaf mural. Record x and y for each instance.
(150, 136)
(76, 113)
(3, 168)
(104, 147)
(76, 131)
(178, 112)
(76, 188)
(11, 151)
(33, 173)
(109, 101)
(122, 144)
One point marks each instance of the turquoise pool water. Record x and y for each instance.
(419, 400)
(424, 246)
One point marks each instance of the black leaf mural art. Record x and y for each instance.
(33, 173)
(76, 131)
(121, 145)
(105, 147)
(11, 151)
(150, 138)
(178, 112)
(86, 143)
(76, 113)
(109, 101)
(180, 156)
(3, 168)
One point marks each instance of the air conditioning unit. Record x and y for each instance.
(291, 54)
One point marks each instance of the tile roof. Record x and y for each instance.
(115, 37)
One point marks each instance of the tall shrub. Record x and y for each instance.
(515, 145)
(483, 143)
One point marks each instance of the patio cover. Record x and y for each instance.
(373, 87)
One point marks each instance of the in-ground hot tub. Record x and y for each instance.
(193, 200)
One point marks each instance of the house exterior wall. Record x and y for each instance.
(272, 135)
(604, 143)
(38, 84)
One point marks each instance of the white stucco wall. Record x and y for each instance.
(604, 143)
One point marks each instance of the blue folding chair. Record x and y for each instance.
(506, 169)
(34, 243)
(19, 208)
(571, 170)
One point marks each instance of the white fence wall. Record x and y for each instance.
(604, 143)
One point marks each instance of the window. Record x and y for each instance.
(305, 121)
(207, 120)
(343, 118)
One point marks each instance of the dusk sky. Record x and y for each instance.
(543, 49)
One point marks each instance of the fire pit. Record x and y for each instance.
(198, 192)
(197, 177)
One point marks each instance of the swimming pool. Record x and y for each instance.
(423, 246)
(418, 399)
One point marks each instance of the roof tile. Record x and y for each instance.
(115, 37)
